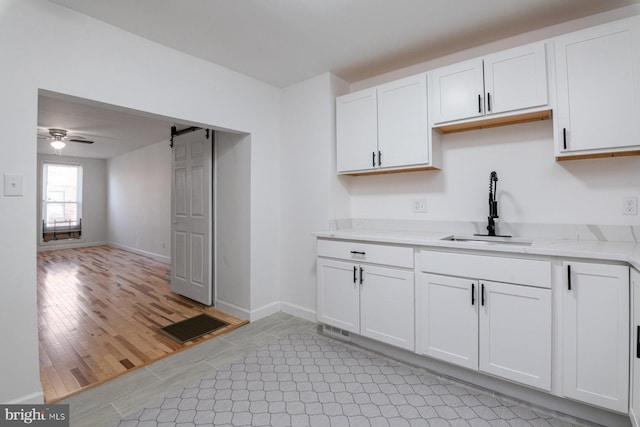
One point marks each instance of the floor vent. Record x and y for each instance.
(336, 333)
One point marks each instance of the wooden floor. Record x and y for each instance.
(99, 310)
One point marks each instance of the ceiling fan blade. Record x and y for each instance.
(84, 141)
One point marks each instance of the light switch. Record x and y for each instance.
(12, 185)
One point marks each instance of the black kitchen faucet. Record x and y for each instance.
(493, 205)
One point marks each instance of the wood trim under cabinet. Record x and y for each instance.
(384, 171)
(490, 122)
(598, 155)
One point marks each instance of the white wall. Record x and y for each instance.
(533, 187)
(311, 191)
(94, 202)
(233, 223)
(118, 68)
(140, 201)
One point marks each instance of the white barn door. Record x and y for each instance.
(191, 211)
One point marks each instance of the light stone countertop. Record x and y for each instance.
(599, 250)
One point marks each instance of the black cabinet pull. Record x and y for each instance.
(379, 158)
(361, 275)
(569, 277)
(357, 253)
(638, 342)
(479, 104)
(488, 101)
(355, 269)
(564, 138)
(473, 294)
(482, 294)
(373, 159)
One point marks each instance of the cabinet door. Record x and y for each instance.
(595, 300)
(598, 75)
(515, 79)
(635, 348)
(402, 122)
(515, 333)
(457, 91)
(339, 294)
(386, 304)
(449, 319)
(357, 130)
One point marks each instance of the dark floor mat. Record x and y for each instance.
(190, 329)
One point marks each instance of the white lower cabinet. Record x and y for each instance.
(634, 410)
(386, 306)
(497, 328)
(595, 334)
(493, 314)
(371, 300)
(515, 333)
(449, 323)
(338, 294)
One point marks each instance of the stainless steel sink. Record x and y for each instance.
(489, 240)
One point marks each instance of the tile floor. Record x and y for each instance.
(280, 371)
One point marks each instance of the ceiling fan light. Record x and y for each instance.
(57, 144)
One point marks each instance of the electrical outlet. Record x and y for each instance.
(630, 206)
(420, 205)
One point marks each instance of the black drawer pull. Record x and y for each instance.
(638, 342)
(564, 138)
(373, 159)
(569, 277)
(482, 294)
(361, 275)
(479, 104)
(355, 269)
(357, 253)
(488, 101)
(473, 294)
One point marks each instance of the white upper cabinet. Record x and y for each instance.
(457, 91)
(384, 128)
(402, 122)
(515, 79)
(357, 130)
(511, 80)
(598, 88)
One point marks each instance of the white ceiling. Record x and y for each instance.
(286, 41)
(114, 131)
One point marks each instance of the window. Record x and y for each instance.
(61, 201)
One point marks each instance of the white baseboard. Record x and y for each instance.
(264, 311)
(298, 311)
(634, 418)
(233, 310)
(36, 398)
(62, 244)
(157, 257)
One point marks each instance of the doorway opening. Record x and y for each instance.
(104, 293)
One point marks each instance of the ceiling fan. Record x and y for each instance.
(59, 137)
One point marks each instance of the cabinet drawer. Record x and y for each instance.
(396, 256)
(507, 270)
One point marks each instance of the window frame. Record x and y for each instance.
(44, 164)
